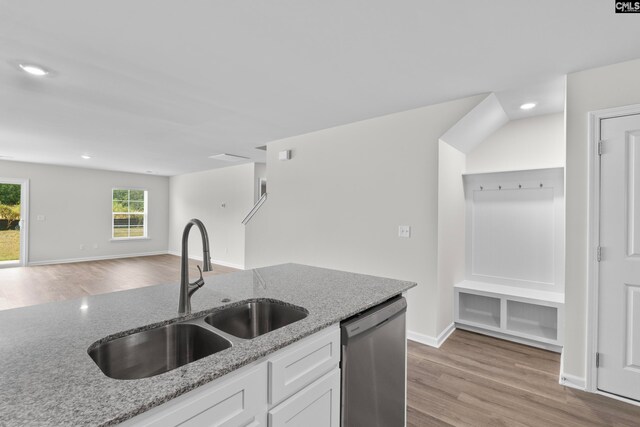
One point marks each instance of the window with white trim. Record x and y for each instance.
(128, 213)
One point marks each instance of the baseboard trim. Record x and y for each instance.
(572, 381)
(508, 337)
(214, 261)
(444, 335)
(227, 264)
(94, 258)
(429, 340)
(569, 380)
(580, 383)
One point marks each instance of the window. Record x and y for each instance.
(128, 213)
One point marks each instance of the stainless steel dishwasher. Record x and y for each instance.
(373, 366)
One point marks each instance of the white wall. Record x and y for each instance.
(451, 229)
(532, 143)
(76, 204)
(599, 88)
(340, 199)
(201, 195)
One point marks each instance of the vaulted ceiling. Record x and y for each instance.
(158, 85)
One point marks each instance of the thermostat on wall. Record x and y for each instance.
(284, 155)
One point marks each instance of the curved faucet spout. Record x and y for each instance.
(187, 289)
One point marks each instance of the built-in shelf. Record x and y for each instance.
(514, 286)
(532, 320)
(529, 316)
(480, 310)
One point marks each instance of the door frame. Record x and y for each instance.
(593, 221)
(24, 219)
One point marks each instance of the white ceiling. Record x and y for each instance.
(162, 85)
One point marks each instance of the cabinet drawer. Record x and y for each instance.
(303, 363)
(237, 401)
(318, 405)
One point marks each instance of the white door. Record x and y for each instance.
(619, 281)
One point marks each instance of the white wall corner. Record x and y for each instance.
(429, 340)
(483, 120)
(568, 380)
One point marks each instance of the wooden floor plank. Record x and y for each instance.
(24, 286)
(476, 380)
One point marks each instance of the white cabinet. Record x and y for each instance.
(302, 363)
(317, 405)
(298, 385)
(528, 316)
(239, 400)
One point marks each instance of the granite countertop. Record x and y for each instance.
(47, 377)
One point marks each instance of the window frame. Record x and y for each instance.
(145, 215)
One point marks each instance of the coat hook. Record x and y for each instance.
(499, 187)
(540, 185)
(481, 188)
(519, 185)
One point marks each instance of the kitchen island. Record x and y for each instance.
(48, 378)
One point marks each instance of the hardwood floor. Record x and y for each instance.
(472, 380)
(24, 286)
(475, 380)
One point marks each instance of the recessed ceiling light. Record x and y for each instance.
(528, 106)
(84, 156)
(34, 70)
(149, 171)
(228, 157)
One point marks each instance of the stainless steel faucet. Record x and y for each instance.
(187, 289)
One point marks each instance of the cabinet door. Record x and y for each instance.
(304, 362)
(318, 405)
(237, 401)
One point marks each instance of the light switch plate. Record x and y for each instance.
(404, 231)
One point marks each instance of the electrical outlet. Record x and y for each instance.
(404, 231)
(81, 247)
(40, 217)
(95, 246)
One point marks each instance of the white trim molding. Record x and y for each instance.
(214, 261)
(96, 258)
(593, 227)
(573, 381)
(569, 380)
(429, 340)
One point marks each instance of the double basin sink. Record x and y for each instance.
(155, 351)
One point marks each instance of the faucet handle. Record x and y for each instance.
(197, 284)
(200, 280)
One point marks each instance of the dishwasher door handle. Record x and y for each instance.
(370, 321)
